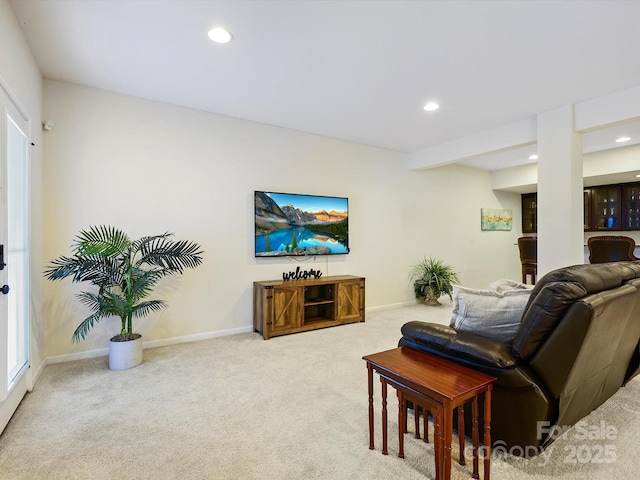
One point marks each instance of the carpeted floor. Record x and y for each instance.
(239, 407)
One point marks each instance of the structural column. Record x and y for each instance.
(560, 191)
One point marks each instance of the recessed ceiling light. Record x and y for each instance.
(431, 106)
(533, 157)
(623, 139)
(219, 35)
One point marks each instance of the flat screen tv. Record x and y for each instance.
(288, 224)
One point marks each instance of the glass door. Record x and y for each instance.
(529, 213)
(632, 198)
(587, 209)
(14, 257)
(607, 208)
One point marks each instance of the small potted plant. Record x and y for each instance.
(431, 279)
(125, 273)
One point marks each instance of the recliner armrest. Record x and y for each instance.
(464, 345)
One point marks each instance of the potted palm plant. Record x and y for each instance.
(431, 279)
(125, 272)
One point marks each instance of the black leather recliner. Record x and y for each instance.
(577, 344)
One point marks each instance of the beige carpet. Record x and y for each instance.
(239, 407)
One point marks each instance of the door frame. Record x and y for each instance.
(11, 395)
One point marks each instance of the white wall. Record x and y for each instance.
(448, 213)
(149, 167)
(22, 77)
(598, 168)
(614, 161)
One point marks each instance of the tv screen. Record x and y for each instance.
(288, 224)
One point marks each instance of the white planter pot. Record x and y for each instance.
(125, 355)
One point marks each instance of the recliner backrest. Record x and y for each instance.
(556, 291)
(543, 314)
(601, 363)
(580, 332)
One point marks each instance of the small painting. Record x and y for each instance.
(496, 219)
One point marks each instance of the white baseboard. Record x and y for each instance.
(101, 352)
(390, 306)
(34, 374)
(196, 337)
(69, 357)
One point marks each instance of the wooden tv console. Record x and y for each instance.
(281, 307)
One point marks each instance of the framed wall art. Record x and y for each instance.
(496, 218)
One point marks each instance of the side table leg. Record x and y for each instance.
(402, 413)
(384, 416)
(370, 378)
(487, 434)
(475, 436)
(416, 419)
(447, 429)
(406, 416)
(425, 421)
(461, 434)
(437, 441)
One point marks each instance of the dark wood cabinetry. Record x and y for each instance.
(587, 209)
(529, 213)
(631, 196)
(606, 211)
(280, 307)
(606, 208)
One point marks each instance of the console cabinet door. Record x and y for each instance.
(350, 301)
(287, 309)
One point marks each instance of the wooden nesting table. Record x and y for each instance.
(439, 386)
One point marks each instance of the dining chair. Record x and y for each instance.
(528, 247)
(611, 248)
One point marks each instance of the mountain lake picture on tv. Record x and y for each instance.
(288, 224)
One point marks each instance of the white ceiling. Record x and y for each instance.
(354, 70)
